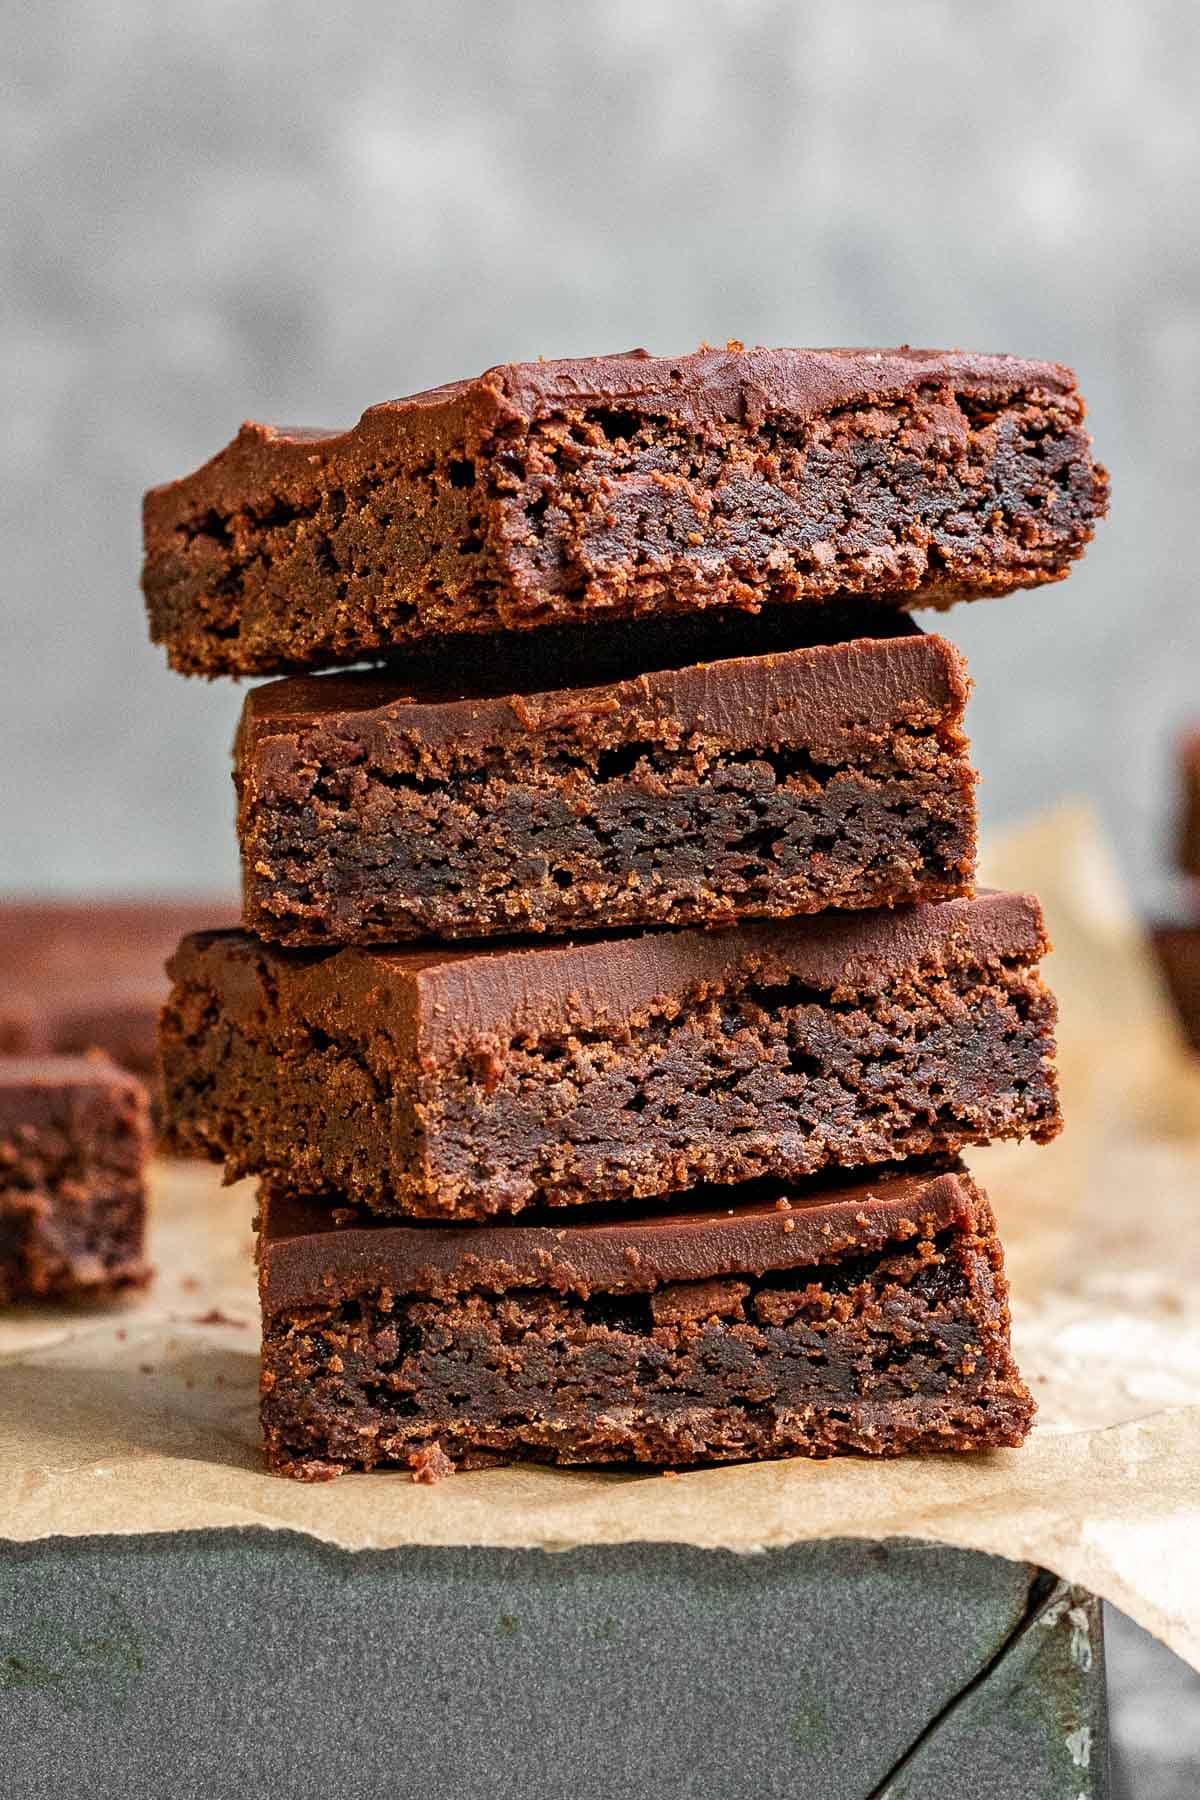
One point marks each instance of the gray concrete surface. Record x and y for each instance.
(230, 1664)
(289, 210)
(1154, 1714)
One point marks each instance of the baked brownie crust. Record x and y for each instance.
(74, 1141)
(871, 1318)
(460, 1083)
(783, 779)
(617, 486)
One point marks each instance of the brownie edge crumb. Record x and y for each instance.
(429, 1463)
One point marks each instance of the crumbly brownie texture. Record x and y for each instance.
(74, 1139)
(777, 782)
(464, 1083)
(82, 975)
(1189, 823)
(1178, 950)
(869, 1319)
(622, 485)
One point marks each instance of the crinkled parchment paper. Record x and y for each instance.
(142, 1418)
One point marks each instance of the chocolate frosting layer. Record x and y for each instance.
(576, 657)
(790, 386)
(304, 1261)
(820, 696)
(444, 1003)
(757, 384)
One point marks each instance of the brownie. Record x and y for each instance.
(645, 785)
(621, 485)
(74, 1141)
(1177, 948)
(869, 1318)
(81, 975)
(459, 1083)
(1189, 821)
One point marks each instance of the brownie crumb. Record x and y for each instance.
(429, 1464)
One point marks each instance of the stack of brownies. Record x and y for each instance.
(613, 998)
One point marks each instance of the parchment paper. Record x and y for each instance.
(143, 1419)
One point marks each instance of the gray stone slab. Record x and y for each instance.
(246, 1664)
(1036, 1714)
(1154, 1715)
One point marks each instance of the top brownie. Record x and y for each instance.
(617, 486)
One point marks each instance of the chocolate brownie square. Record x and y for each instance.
(79, 975)
(460, 1083)
(766, 1322)
(74, 1142)
(615, 486)
(1177, 948)
(1189, 816)
(688, 771)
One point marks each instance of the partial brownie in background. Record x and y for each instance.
(1178, 950)
(81, 975)
(1176, 944)
(615, 486)
(74, 1141)
(1189, 817)
(594, 778)
(459, 1083)
(756, 1323)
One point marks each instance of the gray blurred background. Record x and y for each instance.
(288, 211)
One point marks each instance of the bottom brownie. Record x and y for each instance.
(74, 1139)
(870, 1318)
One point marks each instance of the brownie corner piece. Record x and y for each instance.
(74, 1145)
(618, 486)
(689, 771)
(868, 1318)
